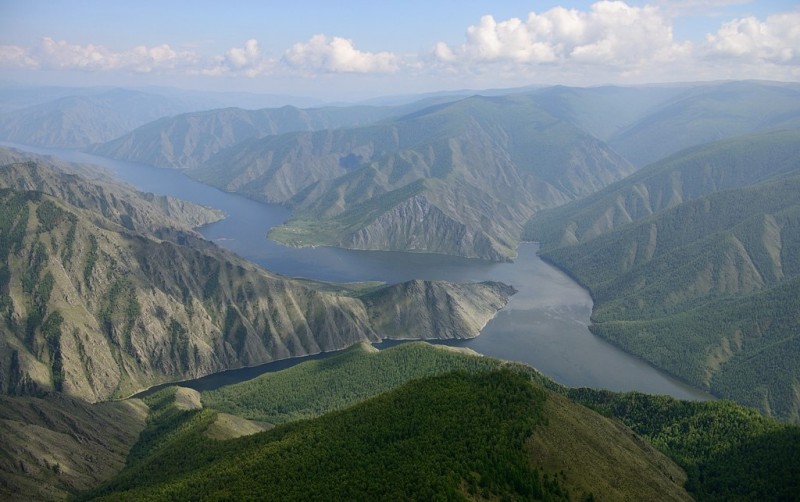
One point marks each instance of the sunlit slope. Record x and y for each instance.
(53, 446)
(143, 212)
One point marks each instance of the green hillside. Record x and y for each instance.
(409, 421)
(704, 286)
(314, 388)
(456, 436)
(729, 452)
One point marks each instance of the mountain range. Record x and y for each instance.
(448, 174)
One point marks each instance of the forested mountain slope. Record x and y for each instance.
(728, 451)
(705, 286)
(685, 176)
(457, 435)
(97, 310)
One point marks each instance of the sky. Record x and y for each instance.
(353, 50)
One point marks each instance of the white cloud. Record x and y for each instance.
(607, 42)
(14, 56)
(50, 54)
(776, 40)
(61, 55)
(247, 56)
(611, 33)
(697, 7)
(246, 60)
(338, 55)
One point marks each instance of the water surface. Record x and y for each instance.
(544, 325)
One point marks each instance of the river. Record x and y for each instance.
(544, 325)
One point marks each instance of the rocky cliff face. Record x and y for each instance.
(120, 203)
(417, 225)
(436, 310)
(96, 310)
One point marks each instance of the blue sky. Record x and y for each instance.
(361, 49)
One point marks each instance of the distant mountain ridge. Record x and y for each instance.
(646, 124)
(80, 121)
(186, 141)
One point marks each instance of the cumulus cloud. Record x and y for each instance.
(246, 60)
(776, 40)
(50, 54)
(611, 33)
(53, 55)
(609, 41)
(338, 55)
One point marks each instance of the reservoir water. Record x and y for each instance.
(544, 325)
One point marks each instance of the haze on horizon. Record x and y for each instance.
(367, 49)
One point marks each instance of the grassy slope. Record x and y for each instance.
(53, 446)
(599, 455)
